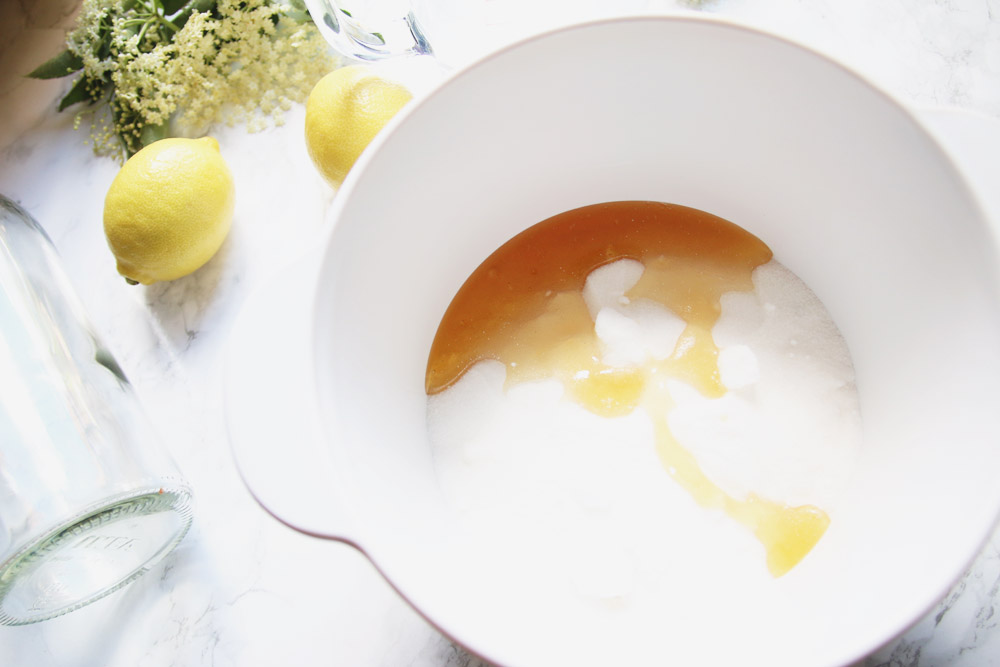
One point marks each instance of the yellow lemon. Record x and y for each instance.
(345, 111)
(169, 209)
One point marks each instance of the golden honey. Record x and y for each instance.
(524, 307)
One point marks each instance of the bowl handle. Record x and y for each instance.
(271, 406)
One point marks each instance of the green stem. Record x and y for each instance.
(166, 23)
(142, 32)
(181, 17)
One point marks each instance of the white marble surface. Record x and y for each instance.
(244, 590)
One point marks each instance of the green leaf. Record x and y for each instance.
(63, 64)
(171, 6)
(78, 93)
(151, 133)
(298, 16)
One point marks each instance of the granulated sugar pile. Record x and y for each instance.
(602, 514)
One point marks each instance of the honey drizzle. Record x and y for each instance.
(787, 533)
(524, 307)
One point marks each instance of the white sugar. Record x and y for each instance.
(606, 286)
(800, 445)
(591, 495)
(630, 332)
(738, 367)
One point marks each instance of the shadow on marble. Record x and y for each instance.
(180, 307)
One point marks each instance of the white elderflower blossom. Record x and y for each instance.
(205, 62)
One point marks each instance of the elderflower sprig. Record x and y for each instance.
(148, 67)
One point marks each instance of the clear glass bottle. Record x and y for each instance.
(89, 497)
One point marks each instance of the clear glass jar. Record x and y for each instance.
(89, 497)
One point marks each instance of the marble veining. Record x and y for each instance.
(244, 590)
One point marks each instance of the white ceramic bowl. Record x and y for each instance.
(846, 186)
